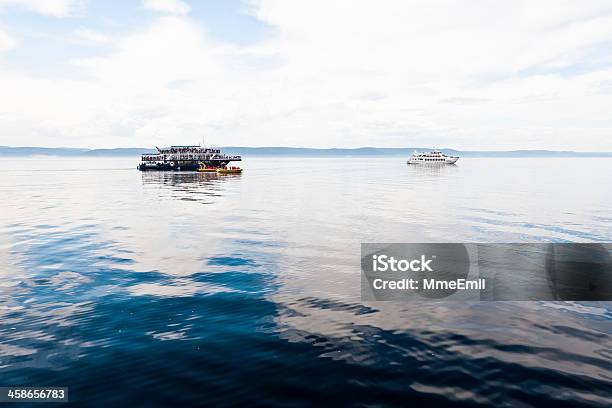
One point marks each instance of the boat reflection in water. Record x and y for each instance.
(442, 169)
(188, 186)
(429, 176)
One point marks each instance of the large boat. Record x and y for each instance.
(434, 157)
(185, 158)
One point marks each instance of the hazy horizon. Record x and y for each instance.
(25, 151)
(300, 147)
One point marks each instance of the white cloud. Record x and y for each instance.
(6, 42)
(339, 73)
(54, 8)
(167, 6)
(91, 36)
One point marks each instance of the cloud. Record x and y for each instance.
(91, 36)
(464, 101)
(336, 73)
(6, 42)
(169, 50)
(54, 8)
(167, 6)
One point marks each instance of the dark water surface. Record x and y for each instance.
(183, 288)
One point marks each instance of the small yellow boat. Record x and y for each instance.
(229, 170)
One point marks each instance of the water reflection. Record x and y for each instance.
(177, 177)
(432, 170)
(188, 186)
(124, 276)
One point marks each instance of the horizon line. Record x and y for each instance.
(311, 148)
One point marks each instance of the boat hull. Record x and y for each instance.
(221, 171)
(178, 165)
(448, 160)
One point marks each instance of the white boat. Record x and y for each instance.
(434, 157)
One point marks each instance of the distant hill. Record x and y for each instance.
(404, 152)
(292, 151)
(67, 151)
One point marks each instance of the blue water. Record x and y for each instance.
(152, 289)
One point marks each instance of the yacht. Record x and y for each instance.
(434, 157)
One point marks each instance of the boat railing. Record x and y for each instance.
(199, 156)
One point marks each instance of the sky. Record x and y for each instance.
(469, 75)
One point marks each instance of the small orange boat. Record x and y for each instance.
(208, 169)
(229, 170)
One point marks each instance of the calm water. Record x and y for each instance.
(159, 288)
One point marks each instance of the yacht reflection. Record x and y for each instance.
(433, 170)
(187, 186)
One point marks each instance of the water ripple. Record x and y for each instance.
(127, 289)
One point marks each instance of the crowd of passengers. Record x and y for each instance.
(151, 158)
(187, 150)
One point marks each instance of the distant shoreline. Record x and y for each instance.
(6, 151)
